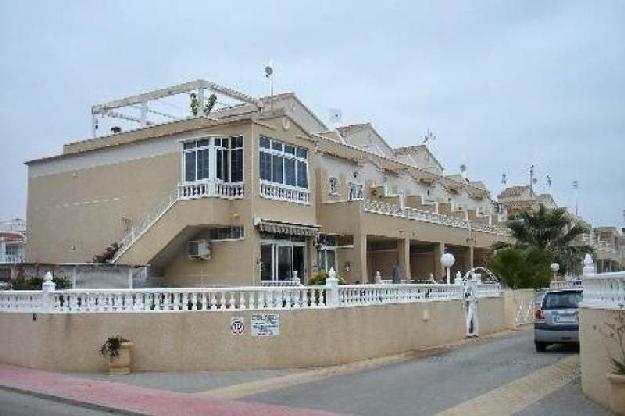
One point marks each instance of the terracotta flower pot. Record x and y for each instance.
(120, 364)
(617, 393)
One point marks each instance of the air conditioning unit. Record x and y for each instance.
(378, 191)
(199, 250)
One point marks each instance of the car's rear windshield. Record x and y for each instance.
(562, 300)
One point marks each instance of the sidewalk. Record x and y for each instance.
(133, 400)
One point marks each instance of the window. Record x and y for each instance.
(226, 233)
(283, 163)
(196, 160)
(229, 159)
(355, 191)
(223, 154)
(333, 184)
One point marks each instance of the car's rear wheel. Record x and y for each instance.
(541, 346)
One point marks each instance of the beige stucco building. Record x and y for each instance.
(252, 192)
(608, 243)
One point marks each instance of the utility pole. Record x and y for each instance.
(576, 187)
(532, 179)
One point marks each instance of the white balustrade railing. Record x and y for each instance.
(604, 290)
(163, 299)
(222, 299)
(354, 295)
(488, 290)
(20, 300)
(284, 193)
(565, 284)
(10, 258)
(210, 188)
(387, 208)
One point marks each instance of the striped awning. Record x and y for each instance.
(276, 227)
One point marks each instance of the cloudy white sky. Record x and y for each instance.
(502, 84)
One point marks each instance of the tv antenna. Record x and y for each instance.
(429, 137)
(269, 76)
(576, 188)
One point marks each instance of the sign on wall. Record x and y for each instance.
(237, 325)
(265, 324)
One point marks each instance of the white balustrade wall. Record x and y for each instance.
(387, 208)
(488, 290)
(284, 193)
(230, 298)
(353, 295)
(565, 284)
(604, 290)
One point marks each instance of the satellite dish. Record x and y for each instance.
(463, 168)
(335, 115)
(268, 71)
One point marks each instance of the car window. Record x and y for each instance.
(562, 300)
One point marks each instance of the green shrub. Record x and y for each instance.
(35, 283)
(521, 268)
(319, 279)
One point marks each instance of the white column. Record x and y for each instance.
(332, 289)
(48, 288)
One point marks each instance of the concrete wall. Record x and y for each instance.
(203, 341)
(595, 350)
(491, 316)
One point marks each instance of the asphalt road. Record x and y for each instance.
(430, 385)
(17, 404)
(484, 368)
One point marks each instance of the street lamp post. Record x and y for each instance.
(554, 268)
(448, 260)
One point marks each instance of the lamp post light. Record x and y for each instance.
(448, 260)
(554, 268)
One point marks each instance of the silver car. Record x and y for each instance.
(557, 319)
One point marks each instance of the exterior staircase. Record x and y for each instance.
(196, 190)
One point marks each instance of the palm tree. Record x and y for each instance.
(550, 231)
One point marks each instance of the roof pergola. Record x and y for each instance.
(143, 108)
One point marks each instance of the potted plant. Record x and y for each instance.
(616, 332)
(116, 350)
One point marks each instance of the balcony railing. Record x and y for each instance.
(10, 258)
(284, 193)
(205, 189)
(387, 208)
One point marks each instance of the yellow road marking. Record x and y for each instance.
(276, 383)
(307, 376)
(520, 393)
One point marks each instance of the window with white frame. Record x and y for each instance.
(218, 158)
(282, 163)
(333, 185)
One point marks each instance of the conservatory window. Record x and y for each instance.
(283, 163)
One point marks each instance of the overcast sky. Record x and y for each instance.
(502, 84)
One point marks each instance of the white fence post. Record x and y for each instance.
(589, 265)
(47, 288)
(332, 289)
